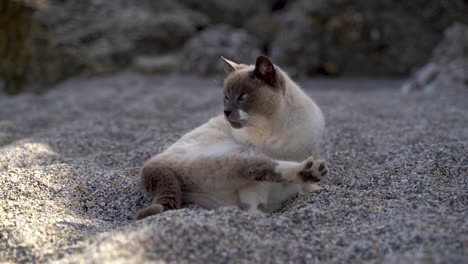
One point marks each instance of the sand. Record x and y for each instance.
(69, 163)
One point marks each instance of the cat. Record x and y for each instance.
(260, 152)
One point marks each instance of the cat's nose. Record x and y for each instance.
(227, 113)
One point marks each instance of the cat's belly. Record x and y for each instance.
(291, 149)
(278, 193)
(212, 200)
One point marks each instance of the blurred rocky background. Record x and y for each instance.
(45, 41)
(448, 65)
(131, 77)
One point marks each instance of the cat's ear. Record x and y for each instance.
(264, 70)
(232, 66)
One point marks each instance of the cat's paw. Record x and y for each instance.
(312, 170)
(322, 167)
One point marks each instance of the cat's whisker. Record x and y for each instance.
(253, 121)
(244, 123)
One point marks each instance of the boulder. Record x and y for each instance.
(448, 66)
(28, 56)
(229, 12)
(43, 42)
(156, 64)
(47, 41)
(202, 53)
(264, 27)
(361, 37)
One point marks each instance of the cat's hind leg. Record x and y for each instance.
(160, 180)
(253, 197)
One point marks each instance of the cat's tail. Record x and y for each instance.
(160, 181)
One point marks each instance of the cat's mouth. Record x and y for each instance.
(235, 124)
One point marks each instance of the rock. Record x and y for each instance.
(355, 37)
(296, 47)
(156, 64)
(2, 86)
(422, 77)
(263, 26)
(22, 43)
(229, 12)
(438, 14)
(43, 42)
(202, 53)
(448, 67)
(90, 36)
(453, 46)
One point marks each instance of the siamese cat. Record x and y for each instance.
(263, 150)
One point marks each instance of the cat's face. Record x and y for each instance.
(251, 93)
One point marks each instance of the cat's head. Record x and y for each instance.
(252, 92)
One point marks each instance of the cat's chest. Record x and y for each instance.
(284, 147)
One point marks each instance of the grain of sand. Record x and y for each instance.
(69, 163)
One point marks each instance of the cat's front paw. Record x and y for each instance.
(312, 170)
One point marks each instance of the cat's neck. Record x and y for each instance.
(275, 127)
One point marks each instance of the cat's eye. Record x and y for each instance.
(242, 97)
(226, 97)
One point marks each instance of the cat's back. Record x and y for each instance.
(307, 123)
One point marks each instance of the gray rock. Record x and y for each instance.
(297, 46)
(437, 14)
(358, 37)
(156, 64)
(454, 44)
(305, 37)
(422, 77)
(90, 36)
(229, 12)
(448, 66)
(264, 27)
(202, 53)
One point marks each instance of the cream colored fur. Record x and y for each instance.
(293, 134)
(205, 158)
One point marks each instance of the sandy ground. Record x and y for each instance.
(69, 162)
